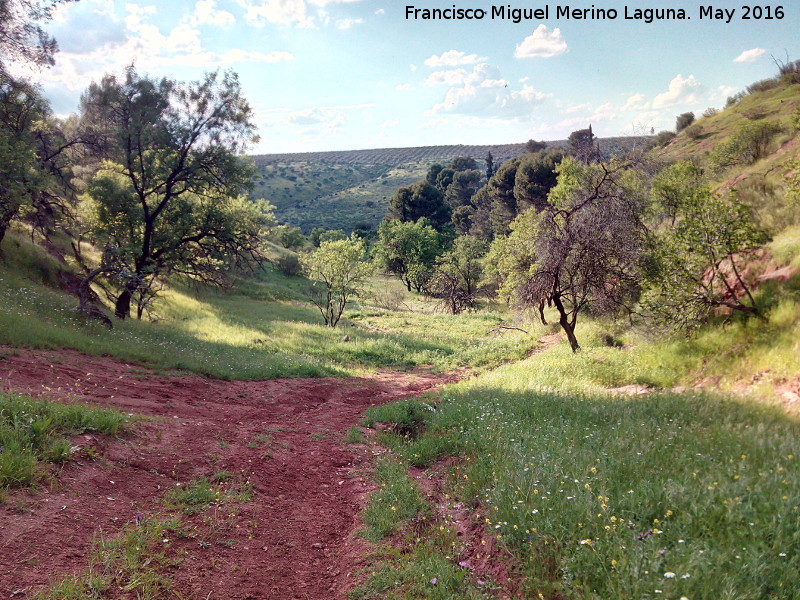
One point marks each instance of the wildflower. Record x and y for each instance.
(685, 576)
(669, 575)
(585, 542)
(434, 581)
(462, 563)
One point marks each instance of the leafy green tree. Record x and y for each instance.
(581, 145)
(501, 197)
(418, 200)
(289, 236)
(457, 275)
(171, 166)
(35, 158)
(462, 188)
(22, 39)
(533, 146)
(672, 186)
(585, 247)
(339, 271)
(534, 178)
(699, 262)
(408, 250)
(489, 165)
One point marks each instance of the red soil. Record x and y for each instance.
(293, 540)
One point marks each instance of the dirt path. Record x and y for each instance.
(293, 540)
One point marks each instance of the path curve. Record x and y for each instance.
(293, 540)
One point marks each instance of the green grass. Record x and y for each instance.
(607, 497)
(397, 502)
(131, 564)
(36, 431)
(200, 493)
(262, 329)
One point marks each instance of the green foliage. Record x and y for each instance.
(747, 144)
(289, 264)
(585, 247)
(672, 186)
(200, 493)
(421, 199)
(339, 271)
(288, 236)
(457, 275)
(169, 189)
(408, 250)
(698, 262)
(683, 120)
(34, 430)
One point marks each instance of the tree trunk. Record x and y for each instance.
(566, 325)
(122, 307)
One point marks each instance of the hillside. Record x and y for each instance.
(345, 189)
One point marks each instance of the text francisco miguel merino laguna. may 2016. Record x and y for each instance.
(708, 12)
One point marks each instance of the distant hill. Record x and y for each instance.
(345, 189)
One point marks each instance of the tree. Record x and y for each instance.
(699, 262)
(683, 120)
(489, 166)
(170, 164)
(672, 186)
(35, 158)
(462, 188)
(22, 38)
(581, 146)
(457, 275)
(421, 199)
(408, 250)
(535, 177)
(503, 203)
(586, 245)
(339, 270)
(533, 146)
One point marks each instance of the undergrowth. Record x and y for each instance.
(36, 431)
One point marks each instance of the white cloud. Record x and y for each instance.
(682, 90)
(636, 102)
(452, 58)
(750, 55)
(286, 12)
(137, 40)
(723, 92)
(451, 77)
(380, 11)
(348, 23)
(542, 43)
(316, 116)
(206, 13)
(412, 68)
(484, 92)
(404, 87)
(578, 108)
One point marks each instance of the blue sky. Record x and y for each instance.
(351, 74)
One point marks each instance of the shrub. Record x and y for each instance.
(289, 264)
(682, 121)
(694, 131)
(763, 85)
(747, 144)
(710, 111)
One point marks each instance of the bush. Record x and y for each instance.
(289, 265)
(663, 138)
(747, 144)
(763, 85)
(710, 111)
(683, 121)
(735, 99)
(694, 131)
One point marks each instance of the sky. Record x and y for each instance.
(356, 74)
